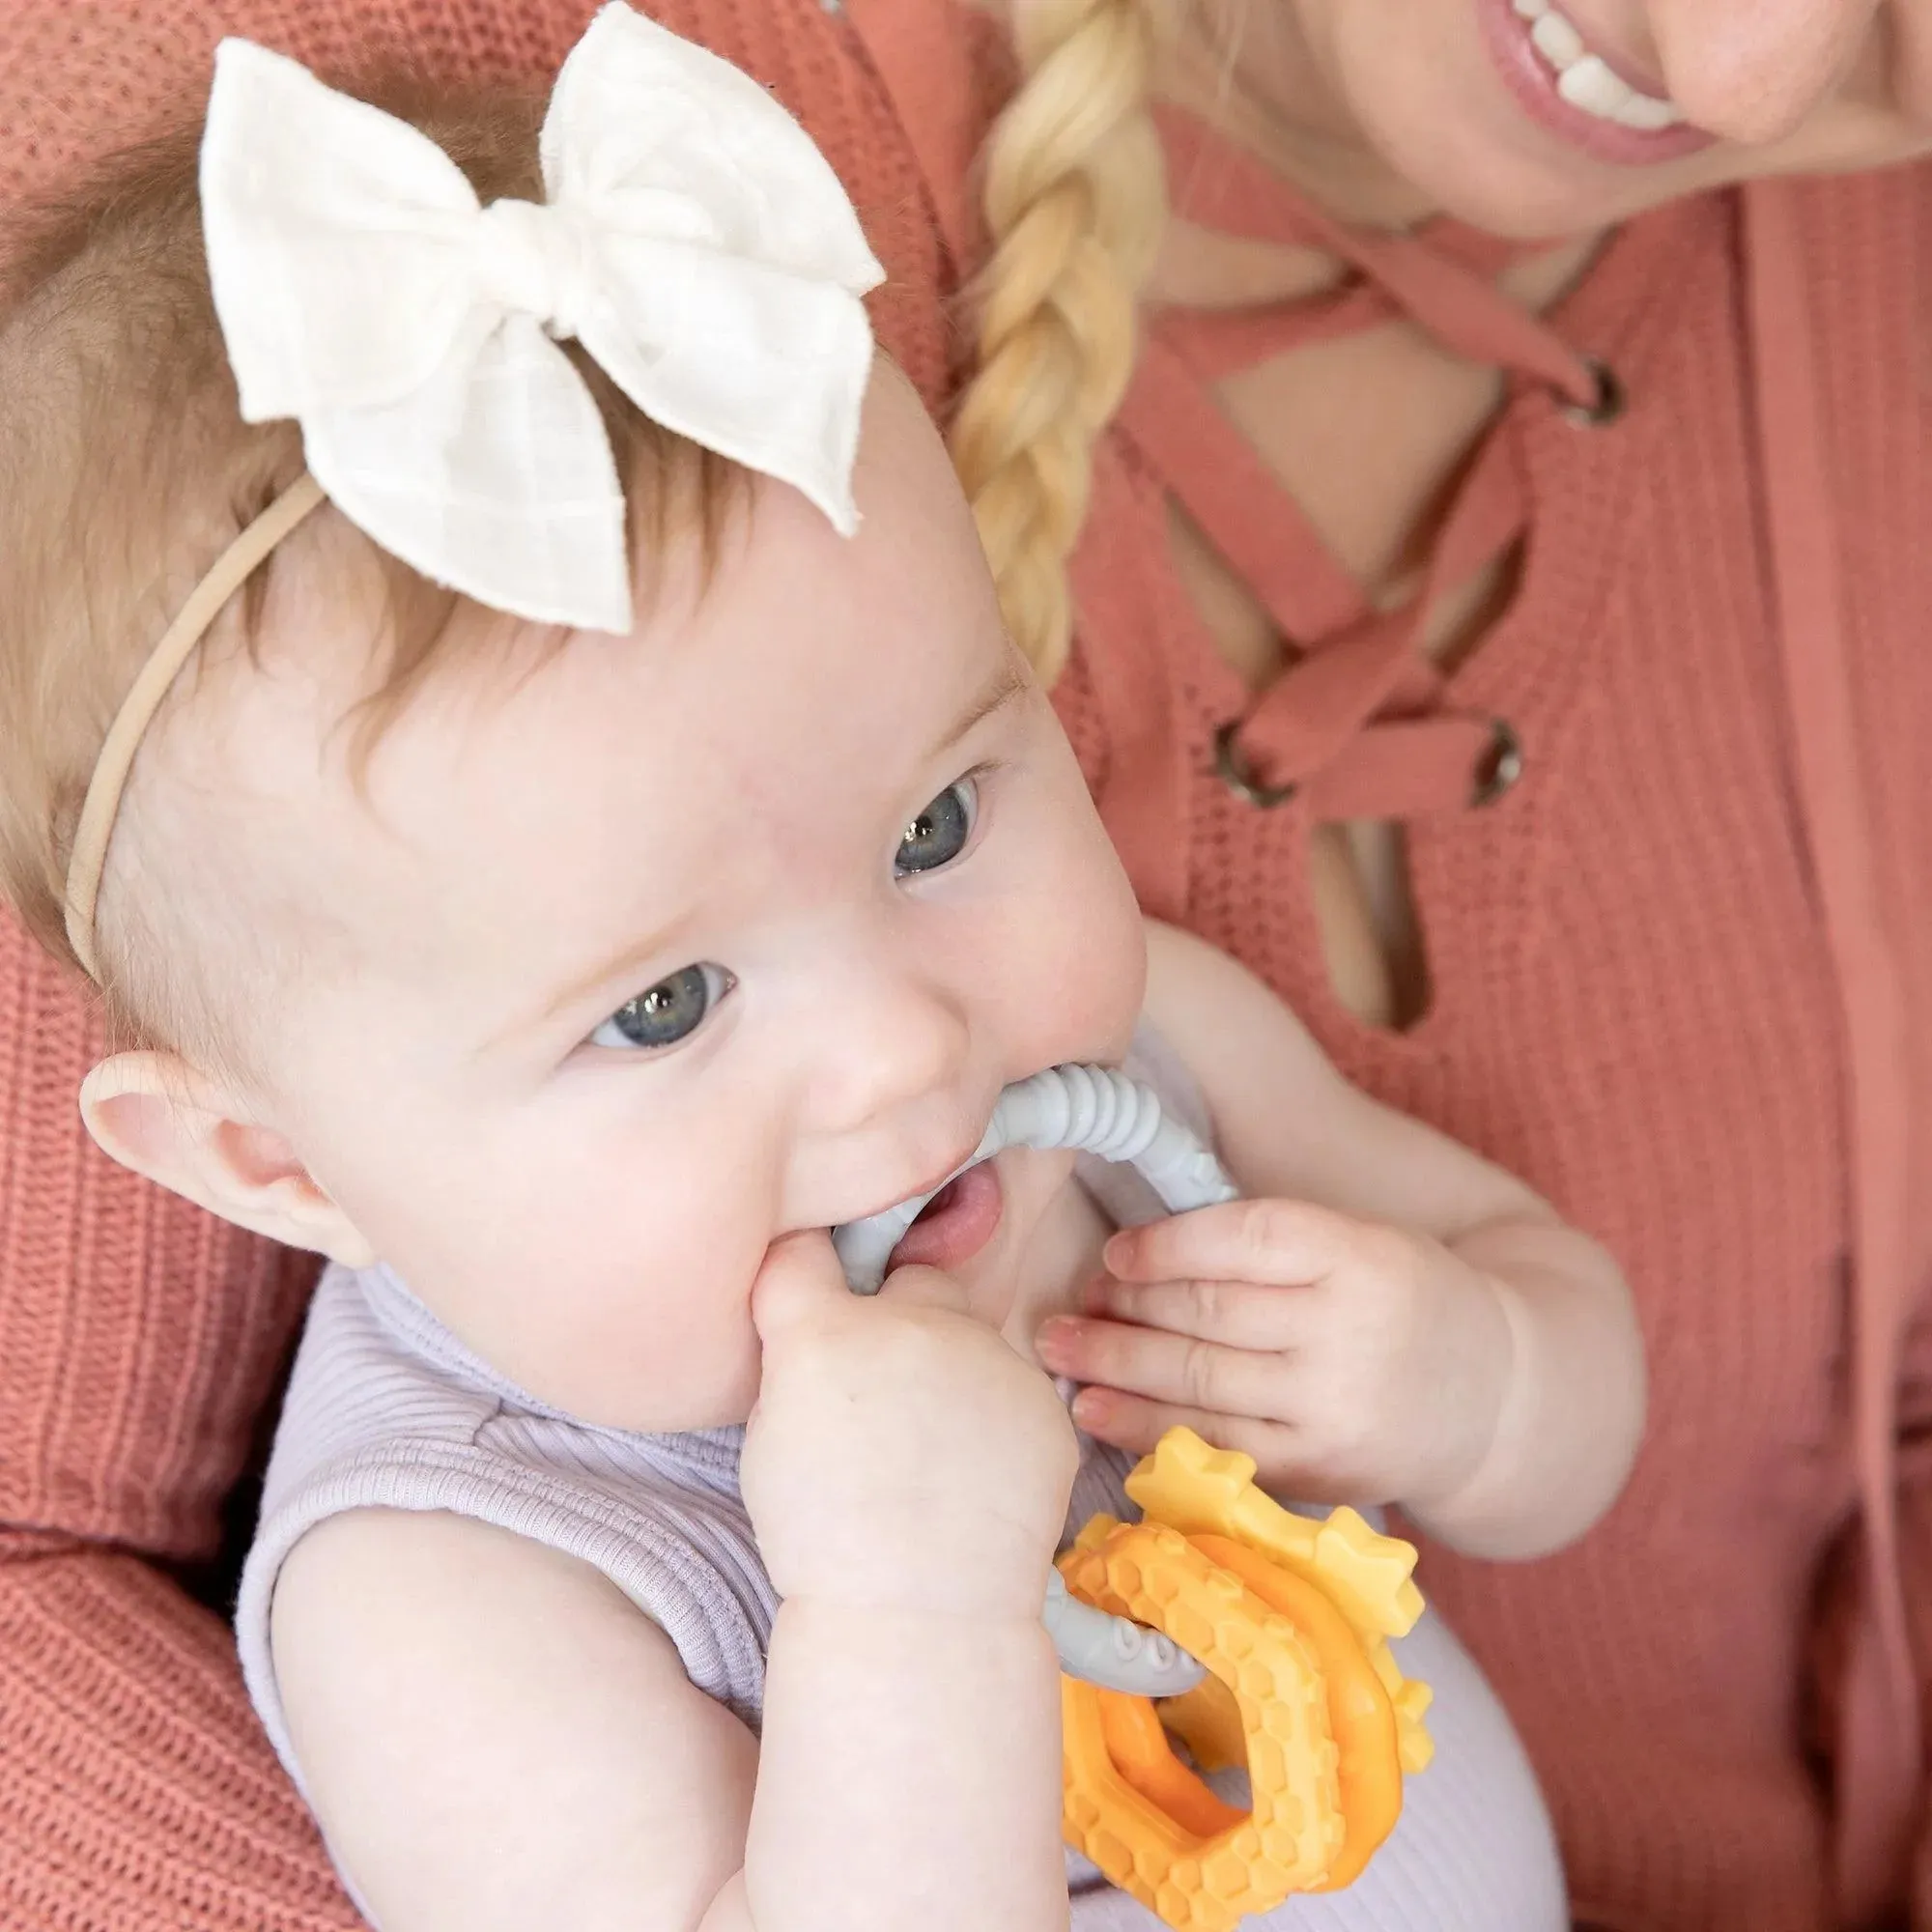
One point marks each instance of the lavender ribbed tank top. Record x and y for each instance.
(388, 1409)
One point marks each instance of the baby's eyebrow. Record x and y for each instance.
(1007, 683)
(634, 958)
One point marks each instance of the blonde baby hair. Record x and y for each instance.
(1075, 204)
(129, 471)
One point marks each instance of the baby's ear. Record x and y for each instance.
(154, 1113)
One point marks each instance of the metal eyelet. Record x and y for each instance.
(1232, 771)
(1606, 406)
(1500, 766)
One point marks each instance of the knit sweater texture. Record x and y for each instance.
(1639, 1002)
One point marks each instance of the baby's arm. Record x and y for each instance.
(493, 1736)
(496, 1740)
(1491, 1344)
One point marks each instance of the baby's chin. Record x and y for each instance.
(1005, 1279)
(624, 1386)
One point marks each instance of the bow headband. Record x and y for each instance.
(692, 239)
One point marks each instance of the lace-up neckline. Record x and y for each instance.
(1361, 724)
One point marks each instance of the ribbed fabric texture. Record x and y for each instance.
(1632, 1007)
(388, 1409)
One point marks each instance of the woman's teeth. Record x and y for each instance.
(1584, 80)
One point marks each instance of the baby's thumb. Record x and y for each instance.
(923, 1288)
(800, 1281)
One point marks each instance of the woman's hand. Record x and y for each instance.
(1353, 1362)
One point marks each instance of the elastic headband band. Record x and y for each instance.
(102, 805)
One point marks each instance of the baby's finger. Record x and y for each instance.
(923, 1288)
(1237, 1314)
(1169, 1367)
(1135, 1424)
(800, 1281)
(1283, 1242)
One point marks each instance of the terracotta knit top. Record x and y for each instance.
(1679, 981)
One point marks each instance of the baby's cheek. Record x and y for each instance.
(631, 1319)
(1078, 975)
(1106, 974)
(669, 1354)
(1111, 958)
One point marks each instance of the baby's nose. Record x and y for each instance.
(895, 1042)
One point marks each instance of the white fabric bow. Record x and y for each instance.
(693, 239)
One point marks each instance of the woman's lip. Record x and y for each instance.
(1530, 80)
(956, 1224)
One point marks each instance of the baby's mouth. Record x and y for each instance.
(955, 1224)
(1095, 1110)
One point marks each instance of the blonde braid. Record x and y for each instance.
(1075, 203)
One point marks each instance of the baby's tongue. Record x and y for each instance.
(955, 1224)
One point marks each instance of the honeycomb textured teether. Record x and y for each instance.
(1292, 1616)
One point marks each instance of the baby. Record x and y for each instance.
(557, 862)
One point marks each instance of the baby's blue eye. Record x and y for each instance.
(938, 834)
(671, 1010)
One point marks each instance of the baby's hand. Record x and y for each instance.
(1354, 1363)
(901, 1454)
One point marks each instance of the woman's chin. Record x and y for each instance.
(1435, 113)
(1511, 183)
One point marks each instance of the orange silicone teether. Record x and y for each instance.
(1291, 1617)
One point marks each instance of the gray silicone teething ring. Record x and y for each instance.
(1099, 1111)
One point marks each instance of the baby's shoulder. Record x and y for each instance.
(1204, 1002)
(462, 1701)
(1245, 1053)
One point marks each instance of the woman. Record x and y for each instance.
(1511, 649)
